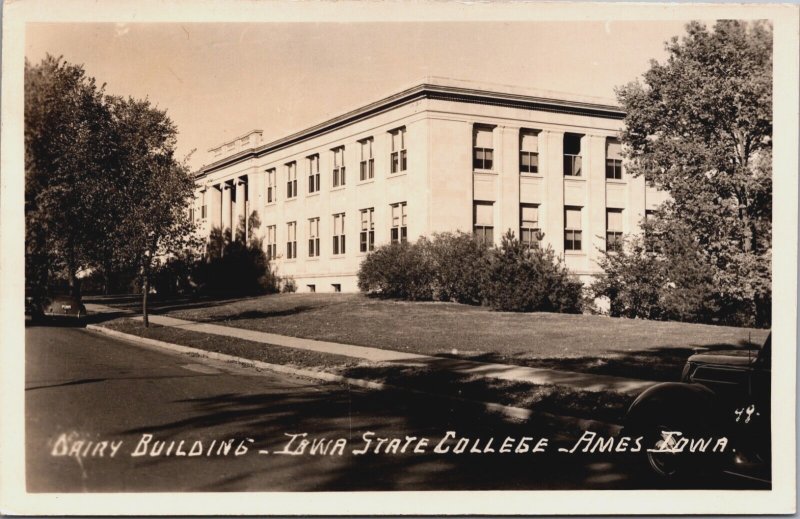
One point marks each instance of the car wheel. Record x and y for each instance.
(666, 464)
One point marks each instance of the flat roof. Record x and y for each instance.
(437, 88)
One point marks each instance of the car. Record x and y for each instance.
(722, 394)
(55, 306)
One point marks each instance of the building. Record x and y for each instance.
(443, 155)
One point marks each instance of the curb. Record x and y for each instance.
(516, 413)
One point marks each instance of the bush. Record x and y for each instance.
(460, 263)
(530, 279)
(456, 267)
(174, 276)
(667, 278)
(399, 270)
(289, 285)
(232, 267)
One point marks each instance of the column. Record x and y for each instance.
(214, 206)
(240, 209)
(551, 159)
(594, 163)
(257, 199)
(226, 206)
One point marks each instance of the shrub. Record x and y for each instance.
(400, 270)
(289, 285)
(666, 277)
(174, 276)
(232, 267)
(460, 264)
(528, 279)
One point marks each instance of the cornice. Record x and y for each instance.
(423, 91)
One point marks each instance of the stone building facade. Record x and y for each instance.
(442, 155)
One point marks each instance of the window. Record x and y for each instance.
(399, 228)
(572, 155)
(337, 287)
(398, 156)
(528, 152)
(572, 228)
(272, 187)
(291, 240)
(338, 166)
(613, 159)
(483, 219)
(613, 230)
(191, 214)
(203, 206)
(291, 180)
(313, 173)
(367, 166)
(529, 231)
(312, 288)
(272, 242)
(338, 234)
(313, 237)
(367, 236)
(482, 149)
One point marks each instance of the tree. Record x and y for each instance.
(700, 127)
(155, 191)
(69, 165)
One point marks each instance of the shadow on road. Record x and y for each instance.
(269, 418)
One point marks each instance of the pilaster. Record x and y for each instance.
(594, 162)
(552, 161)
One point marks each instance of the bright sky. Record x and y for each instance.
(220, 80)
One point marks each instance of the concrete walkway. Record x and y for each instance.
(583, 381)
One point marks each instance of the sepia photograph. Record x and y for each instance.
(452, 259)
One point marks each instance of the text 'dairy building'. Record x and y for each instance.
(443, 155)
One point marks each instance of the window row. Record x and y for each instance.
(398, 233)
(398, 163)
(530, 232)
(483, 153)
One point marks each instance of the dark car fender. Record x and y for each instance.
(689, 403)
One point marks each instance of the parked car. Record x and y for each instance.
(55, 306)
(722, 394)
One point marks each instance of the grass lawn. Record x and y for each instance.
(548, 398)
(633, 348)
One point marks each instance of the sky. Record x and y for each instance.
(220, 80)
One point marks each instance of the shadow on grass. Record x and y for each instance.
(663, 364)
(259, 314)
(158, 304)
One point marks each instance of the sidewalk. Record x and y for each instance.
(581, 381)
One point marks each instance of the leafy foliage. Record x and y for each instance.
(69, 171)
(104, 189)
(673, 283)
(235, 267)
(398, 270)
(529, 279)
(460, 264)
(700, 127)
(456, 267)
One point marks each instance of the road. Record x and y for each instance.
(94, 404)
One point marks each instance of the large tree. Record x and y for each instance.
(699, 126)
(156, 191)
(104, 189)
(69, 166)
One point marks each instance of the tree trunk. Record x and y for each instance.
(73, 276)
(145, 290)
